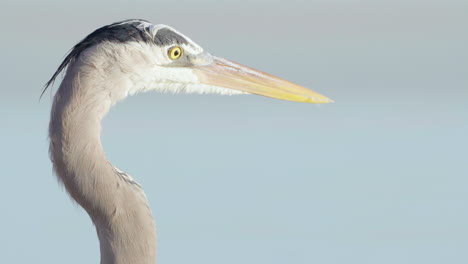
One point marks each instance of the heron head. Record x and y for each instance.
(166, 60)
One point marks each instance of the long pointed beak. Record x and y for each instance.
(228, 74)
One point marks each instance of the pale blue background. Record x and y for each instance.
(378, 177)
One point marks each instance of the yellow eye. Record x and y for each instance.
(175, 52)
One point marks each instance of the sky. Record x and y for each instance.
(380, 176)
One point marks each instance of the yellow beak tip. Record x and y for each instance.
(319, 100)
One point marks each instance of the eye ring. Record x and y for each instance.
(175, 52)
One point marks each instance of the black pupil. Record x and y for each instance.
(176, 53)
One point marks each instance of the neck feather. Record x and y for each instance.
(116, 205)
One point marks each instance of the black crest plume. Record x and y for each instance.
(124, 31)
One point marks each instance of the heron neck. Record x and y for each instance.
(115, 203)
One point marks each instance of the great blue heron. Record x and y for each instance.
(111, 63)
